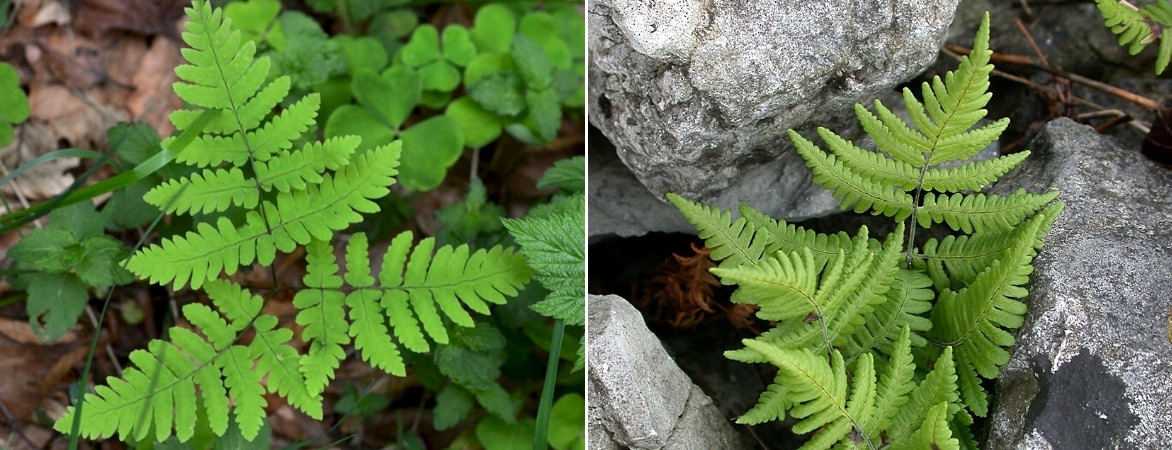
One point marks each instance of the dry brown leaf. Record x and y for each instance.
(153, 98)
(21, 332)
(23, 367)
(681, 290)
(34, 13)
(145, 17)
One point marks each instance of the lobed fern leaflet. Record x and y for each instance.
(1139, 27)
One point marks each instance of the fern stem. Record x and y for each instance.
(540, 436)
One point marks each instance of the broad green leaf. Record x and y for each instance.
(458, 46)
(423, 46)
(335, 92)
(572, 29)
(474, 357)
(99, 264)
(435, 99)
(353, 120)
(80, 219)
(46, 249)
(532, 62)
(55, 301)
(494, 28)
(440, 76)
(542, 27)
(391, 26)
(486, 64)
(498, 403)
(480, 127)
(545, 109)
(363, 53)
(567, 425)
(555, 247)
(452, 405)
(495, 434)
(429, 148)
(390, 97)
(6, 133)
(253, 18)
(306, 54)
(13, 101)
(499, 93)
(567, 174)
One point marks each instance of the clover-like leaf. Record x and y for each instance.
(542, 27)
(357, 121)
(429, 148)
(362, 53)
(485, 64)
(480, 127)
(391, 96)
(458, 46)
(254, 18)
(493, 28)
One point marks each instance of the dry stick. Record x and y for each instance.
(1137, 124)
(1063, 84)
(1140, 100)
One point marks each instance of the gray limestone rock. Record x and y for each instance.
(1093, 366)
(639, 398)
(697, 95)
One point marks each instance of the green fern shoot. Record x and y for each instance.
(851, 311)
(260, 183)
(1138, 27)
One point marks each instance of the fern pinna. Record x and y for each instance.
(262, 184)
(852, 311)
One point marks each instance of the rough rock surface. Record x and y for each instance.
(697, 95)
(1093, 365)
(639, 398)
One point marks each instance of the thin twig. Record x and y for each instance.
(89, 312)
(1140, 100)
(12, 422)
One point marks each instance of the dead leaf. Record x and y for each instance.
(21, 332)
(681, 290)
(34, 13)
(1157, 145)
(145, 17)
(23, 367)
(153, 98)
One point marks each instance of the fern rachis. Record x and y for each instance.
(957, 299)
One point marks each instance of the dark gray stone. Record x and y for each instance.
(638, 397)
(697, 95)
(1093, 366)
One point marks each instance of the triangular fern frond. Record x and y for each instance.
(732, 242)
(771, 405)
(935, 433)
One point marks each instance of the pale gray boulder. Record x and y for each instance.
(697, 95)
(1093, 366)
(639, 398)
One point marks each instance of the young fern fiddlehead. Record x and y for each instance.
(262, 196)
(842, 301)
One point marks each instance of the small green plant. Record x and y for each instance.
(68, 258)
(1138, 27)
(886, 343)
(13, 102)
(262, 184)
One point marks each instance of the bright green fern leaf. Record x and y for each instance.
(732, 242)
(555, 248)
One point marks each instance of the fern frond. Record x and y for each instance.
(771, 405)
(295, 170)
(967, 144)
(222, 73)
(1134, 31)
(783, 285)
(296, 218)
(893, 136)
(733, 243)
(935, 433)
(819, 390)
(939, 386)
(322, 314)
(870, 165)
(842, 322)
(972, 176)
(907, 299)
(368, 319)
(250, 114)
(259, 144)
(212, 190)
(894, 386)
(968, 213)
(850, 188)
(957, 102)
(786, 237)
(976, 319)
